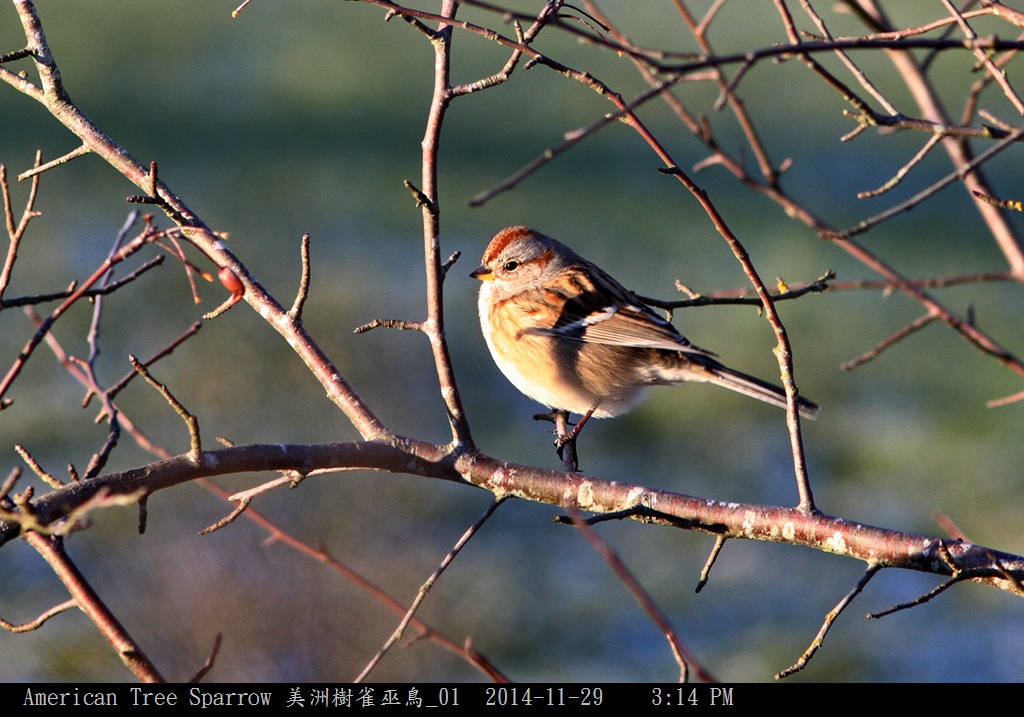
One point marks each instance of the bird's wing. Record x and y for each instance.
(624, 325)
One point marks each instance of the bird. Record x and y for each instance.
(569, 336)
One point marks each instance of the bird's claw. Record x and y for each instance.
(567, 441)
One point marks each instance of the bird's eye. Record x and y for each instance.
(511, 266)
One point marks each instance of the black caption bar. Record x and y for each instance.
(384, 698)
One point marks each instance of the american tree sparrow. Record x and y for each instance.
(571, 337)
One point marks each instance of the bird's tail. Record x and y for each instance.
(705, 368)
(756, 388)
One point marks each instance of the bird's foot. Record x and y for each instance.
(565, 447)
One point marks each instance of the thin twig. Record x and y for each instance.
(16, 233)
(684, 658)
(997, 73)
(190, 420)
(819, 285)
(705, 572)
(909, 204)
(73, 154)
(133, 246)
(210, 659)
(300, 296)
(800, 664)
(104, 290)
(927, 597)
(45, 476)
(165, 351)
(904, 170)
(389, 324)
(850, 65)
(38, 622)
(1006, 400)
(425, 588)
(916, 325)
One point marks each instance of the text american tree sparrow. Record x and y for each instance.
(569, 336)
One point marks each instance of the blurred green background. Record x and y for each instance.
(307, 117)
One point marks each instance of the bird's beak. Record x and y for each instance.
(483, 274)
